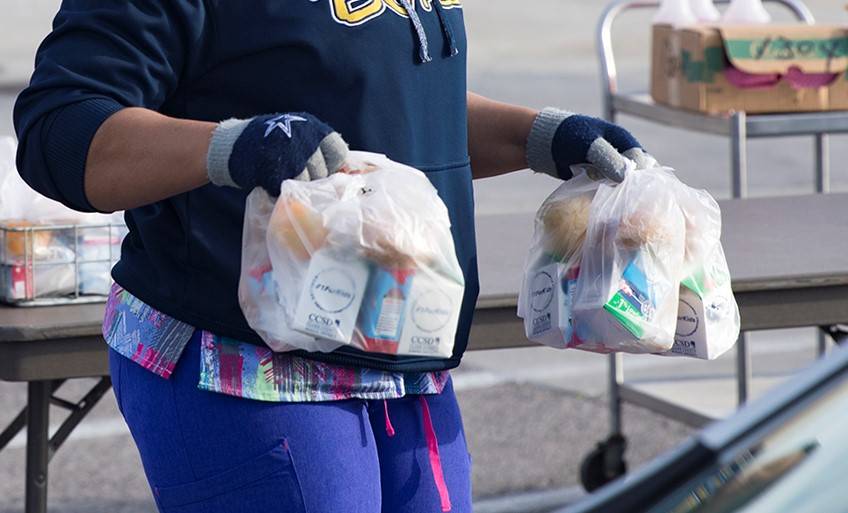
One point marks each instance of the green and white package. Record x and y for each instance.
(631, 265)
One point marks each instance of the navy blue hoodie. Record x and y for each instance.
(358, 66)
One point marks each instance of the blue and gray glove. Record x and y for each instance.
(265, 150)
(560, 139)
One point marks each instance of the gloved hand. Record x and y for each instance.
(560, 139)
(265, 150)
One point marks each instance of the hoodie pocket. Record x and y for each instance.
(268, 484)
(454, 184)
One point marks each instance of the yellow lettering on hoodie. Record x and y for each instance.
(357, 12)
(353, 13)
(397, 7)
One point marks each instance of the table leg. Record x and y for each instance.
(743, 369)
(822, 159)
(839, 334)
(38, 419)
(616, 377)
(739, 154)
(13, 429)
(822, 163)
(822, 343)
(79, 411)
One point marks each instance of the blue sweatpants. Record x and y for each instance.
(212, 453)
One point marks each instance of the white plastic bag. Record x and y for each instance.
(19, 202)
(627, 293)
(553, 263)
(363, 258)
(609, 263)
(708, 321)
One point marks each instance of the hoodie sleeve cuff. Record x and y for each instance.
(67, 141)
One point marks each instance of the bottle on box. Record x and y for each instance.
(675, 12)
(705, 11)
(743, 12)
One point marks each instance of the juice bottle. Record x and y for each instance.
(382, 313)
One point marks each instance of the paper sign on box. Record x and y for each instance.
(784, 67)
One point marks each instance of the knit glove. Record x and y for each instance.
(560, 139)
(265, 150)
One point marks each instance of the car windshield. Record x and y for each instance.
(800, 466)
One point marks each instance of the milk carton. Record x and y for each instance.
(547, 312)
(331, 297)
(431, 316)
(707, 317)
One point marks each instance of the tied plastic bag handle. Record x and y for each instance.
(594, 172)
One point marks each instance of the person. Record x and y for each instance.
(174, 112)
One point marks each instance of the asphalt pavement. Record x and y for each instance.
(530, 416)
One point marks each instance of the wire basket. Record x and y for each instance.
(55, 263)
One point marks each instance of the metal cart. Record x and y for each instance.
(607, 461)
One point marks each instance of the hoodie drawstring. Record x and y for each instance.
(433, 450)
(447, 30)
(423, 45)
(390, 430)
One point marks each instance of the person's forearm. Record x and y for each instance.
(139, 156)
(497, 136)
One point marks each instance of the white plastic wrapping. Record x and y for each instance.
(363, 258)
(708, 321)
(47, 250)
(627, 293)
(19, 202)
(633, 267)
(553, 263)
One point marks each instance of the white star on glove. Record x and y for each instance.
(283, 122)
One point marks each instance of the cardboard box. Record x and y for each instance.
(691, 67)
